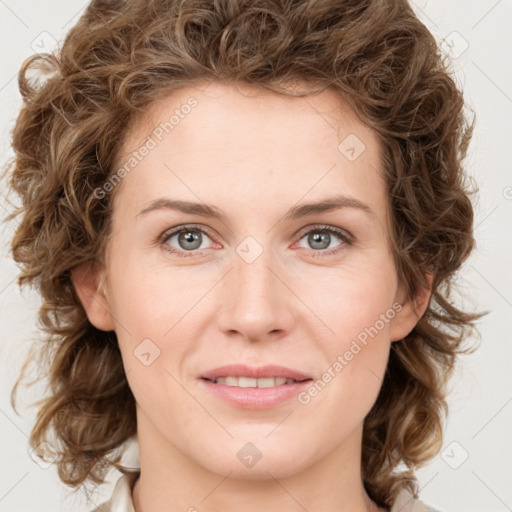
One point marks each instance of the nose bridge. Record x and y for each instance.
(256, 301)
(255, 278)
(253, 264)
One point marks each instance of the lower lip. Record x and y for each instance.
(256, 398)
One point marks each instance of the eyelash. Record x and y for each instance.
(346, 238)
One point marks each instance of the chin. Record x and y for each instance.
(250, 459)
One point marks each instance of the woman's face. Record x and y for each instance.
(258, 277)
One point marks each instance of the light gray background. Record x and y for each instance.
(472, 473)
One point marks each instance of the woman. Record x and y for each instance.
(244, 219)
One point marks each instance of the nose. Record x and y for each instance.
(257, 301)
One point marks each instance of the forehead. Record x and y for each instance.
(243, 145)
(219, 108)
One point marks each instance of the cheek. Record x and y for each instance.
(359, 309)
(356, 303)
(150, 299)
(350, 380)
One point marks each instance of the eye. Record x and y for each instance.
(191, 238)
(320, 237)
(184, 239)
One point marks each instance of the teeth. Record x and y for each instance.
(247, 382)
(270, 382)
(243, 382)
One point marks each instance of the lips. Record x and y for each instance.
(245, 387)
(261, 372)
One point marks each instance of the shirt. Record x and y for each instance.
(121, 500)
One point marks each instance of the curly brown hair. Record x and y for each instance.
(120, 57)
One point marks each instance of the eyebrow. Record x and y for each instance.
(296, 212)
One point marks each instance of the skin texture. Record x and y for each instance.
(254, 155)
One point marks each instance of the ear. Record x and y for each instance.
(412, 310)
(88, 280)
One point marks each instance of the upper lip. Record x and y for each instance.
(260, 372)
